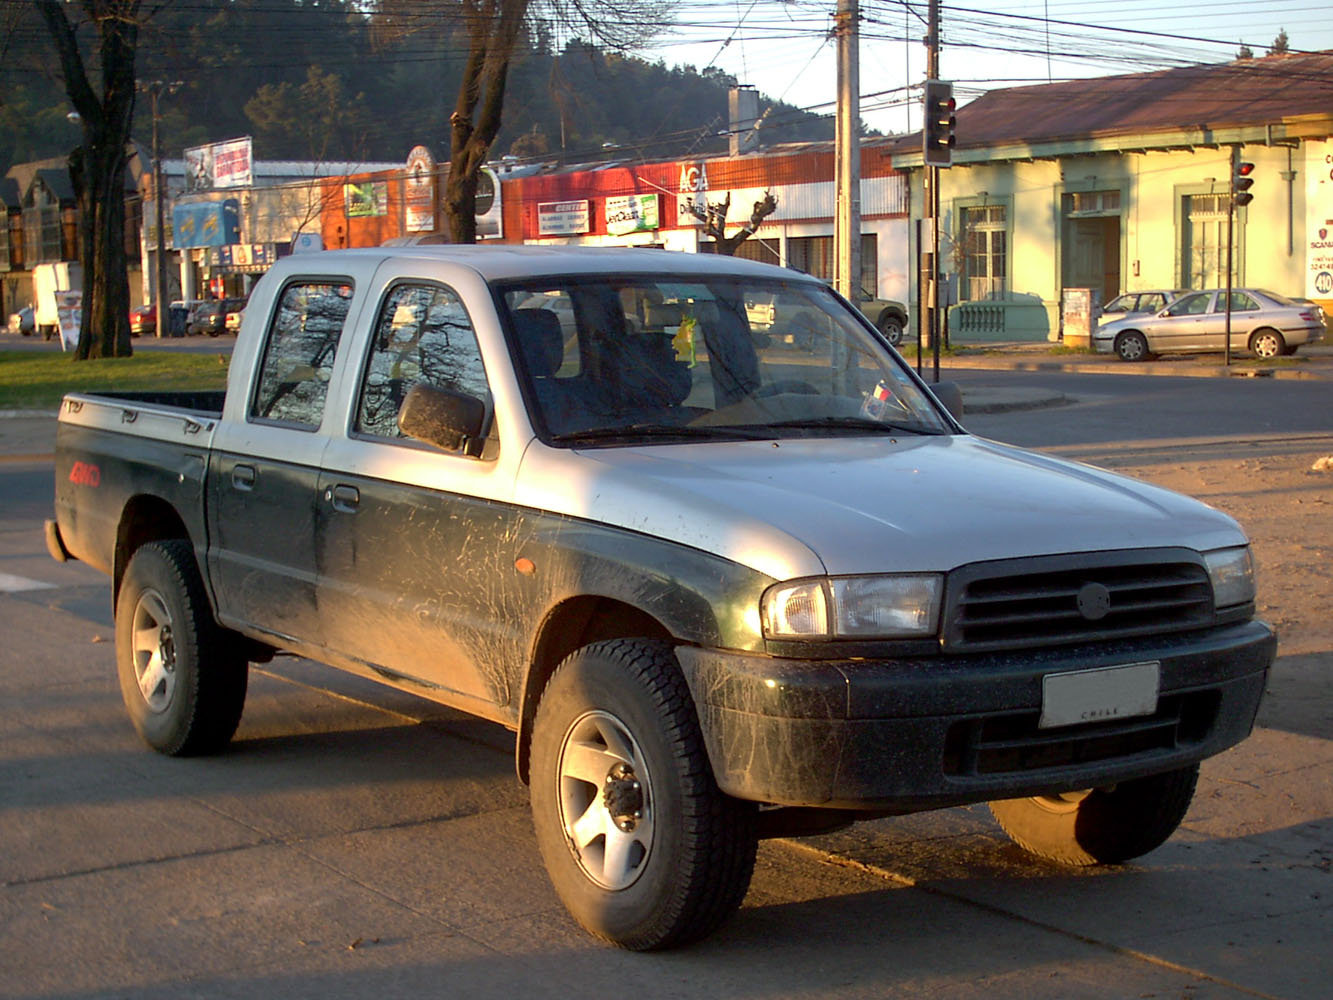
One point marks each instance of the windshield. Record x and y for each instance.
(634, 359)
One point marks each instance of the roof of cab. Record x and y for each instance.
(512, 261)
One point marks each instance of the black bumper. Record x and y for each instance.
(913, 734)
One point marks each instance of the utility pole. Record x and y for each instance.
(155, 90)
(847, 145)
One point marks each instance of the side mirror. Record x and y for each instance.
(950, 397)
(447, 419)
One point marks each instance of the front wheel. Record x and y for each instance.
(892, 328)
(642, 847)
(181, 677)
(1100, 825)
(1132, 346)
(1267, 344)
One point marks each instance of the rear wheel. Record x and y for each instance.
(642, 847)
(1267, 344)
(892, 328)
(182, 678)
(1132, 346)
(1100, 825)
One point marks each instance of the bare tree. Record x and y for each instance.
(492, 29)
(97, 167)
(713, 215)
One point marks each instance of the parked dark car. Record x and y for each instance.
(211, 317)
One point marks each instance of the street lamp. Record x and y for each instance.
(155, 90)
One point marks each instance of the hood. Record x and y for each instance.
(866, 505)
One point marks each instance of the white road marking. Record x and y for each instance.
(11, 584)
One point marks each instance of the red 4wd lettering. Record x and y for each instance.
(84, 474)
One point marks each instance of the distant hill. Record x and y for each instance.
(319, 82)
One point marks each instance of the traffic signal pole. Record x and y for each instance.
(1238, 196)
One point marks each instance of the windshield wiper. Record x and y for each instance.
(632, 431)
(855, 424)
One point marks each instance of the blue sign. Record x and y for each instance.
(206, 224)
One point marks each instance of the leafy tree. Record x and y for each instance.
(315, 120)
(1244, 52)
(1280, 44)
(97, 166)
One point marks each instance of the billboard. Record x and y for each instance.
(219, 165)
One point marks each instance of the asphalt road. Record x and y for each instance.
(356, 842)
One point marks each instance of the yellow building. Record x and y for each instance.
(1123, 183)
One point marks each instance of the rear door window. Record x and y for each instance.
(300, 352)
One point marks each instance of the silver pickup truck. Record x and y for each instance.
(722, 581)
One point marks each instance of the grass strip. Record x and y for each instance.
(36, 380)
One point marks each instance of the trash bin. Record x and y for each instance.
(177, 316)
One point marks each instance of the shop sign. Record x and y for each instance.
(419, 194)
(490, 219)
(692, 193)
(635, 213)
(241, 255)
(562, 218)
(206, 224)
(1319, 220)
(367, 199)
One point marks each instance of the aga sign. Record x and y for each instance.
(691, 194)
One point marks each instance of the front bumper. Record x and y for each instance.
(914, 734)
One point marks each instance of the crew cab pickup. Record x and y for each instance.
(720, 586)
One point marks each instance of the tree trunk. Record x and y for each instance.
(99, 181)
(97, 168)
(493, 29)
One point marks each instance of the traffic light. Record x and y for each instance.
(937, 136)
(1241, 182)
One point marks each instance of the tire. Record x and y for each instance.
(1267, 343)
(1132, 346)
(182, 678)
(1103, 825)
(618, 758)
(892, 328)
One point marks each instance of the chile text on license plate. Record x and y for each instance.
(1099, 695)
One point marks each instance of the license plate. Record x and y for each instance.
(1101, 695)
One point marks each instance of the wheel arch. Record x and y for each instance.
(574, 623)
(144, 519)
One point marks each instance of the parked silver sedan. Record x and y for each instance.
(1263, 323)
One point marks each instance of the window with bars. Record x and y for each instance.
(1203, 241)
(817, 255)
(985, 252)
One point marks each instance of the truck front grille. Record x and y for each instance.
(1067, 599)
(1012, 744)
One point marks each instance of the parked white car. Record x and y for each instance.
(1263, 323)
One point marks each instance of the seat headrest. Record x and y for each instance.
(540, 339)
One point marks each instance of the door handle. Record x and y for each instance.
(344, 498)
(243, 477)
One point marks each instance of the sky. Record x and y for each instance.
(783, 47)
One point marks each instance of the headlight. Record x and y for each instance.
(1232, 573)
(862, 607)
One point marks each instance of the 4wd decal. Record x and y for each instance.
(85, 474)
